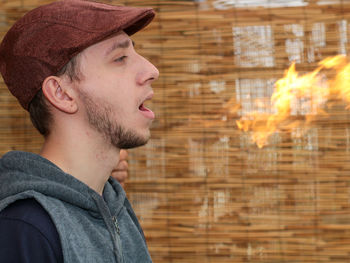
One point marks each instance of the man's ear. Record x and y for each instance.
(61, 97)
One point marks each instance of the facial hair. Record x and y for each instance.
(100, 117)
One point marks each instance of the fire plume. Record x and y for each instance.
(299, 95)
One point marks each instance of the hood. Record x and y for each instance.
(21, 172)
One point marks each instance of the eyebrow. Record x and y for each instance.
(125, 44)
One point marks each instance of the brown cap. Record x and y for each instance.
(40, 43)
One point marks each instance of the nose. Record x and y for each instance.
(147, 72)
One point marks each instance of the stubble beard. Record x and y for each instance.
(100, 117)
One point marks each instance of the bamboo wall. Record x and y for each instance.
(203, 192)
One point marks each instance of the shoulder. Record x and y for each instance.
(25, 209)
(30, 212)
(26, 227)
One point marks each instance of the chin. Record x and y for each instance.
(130, 139)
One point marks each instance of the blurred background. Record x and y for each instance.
(201, 189)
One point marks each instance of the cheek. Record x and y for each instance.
(113, 89)
(99, 84)
(123, 92)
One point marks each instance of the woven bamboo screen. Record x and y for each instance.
(202, 190)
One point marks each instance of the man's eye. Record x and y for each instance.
(120, 59)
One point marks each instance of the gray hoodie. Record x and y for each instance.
(92, 228)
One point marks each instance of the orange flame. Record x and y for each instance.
(309, 91)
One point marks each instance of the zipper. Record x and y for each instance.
(118, 241)
(115, 221)
(110, 220)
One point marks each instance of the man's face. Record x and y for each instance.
(115, 83)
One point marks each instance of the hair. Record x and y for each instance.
(39, 110)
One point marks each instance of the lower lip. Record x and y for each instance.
(147, 113)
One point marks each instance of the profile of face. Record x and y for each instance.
(115, 84)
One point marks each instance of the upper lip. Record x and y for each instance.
(149, 96)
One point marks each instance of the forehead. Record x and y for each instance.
(104, 47)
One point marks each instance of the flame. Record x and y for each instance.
(310, 92)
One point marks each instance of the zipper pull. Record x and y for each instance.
(115, 221)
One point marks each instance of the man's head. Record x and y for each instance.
(113, 83)
(52, 46)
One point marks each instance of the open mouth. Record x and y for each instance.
(146, 111)
(143, 108)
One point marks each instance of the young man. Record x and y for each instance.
(73, 66)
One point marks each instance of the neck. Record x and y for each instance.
(83, 155)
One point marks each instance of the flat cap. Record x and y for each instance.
(45, 39)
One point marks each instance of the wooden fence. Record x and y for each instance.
(203, 192)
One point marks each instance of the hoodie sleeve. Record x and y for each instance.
(28, 234)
